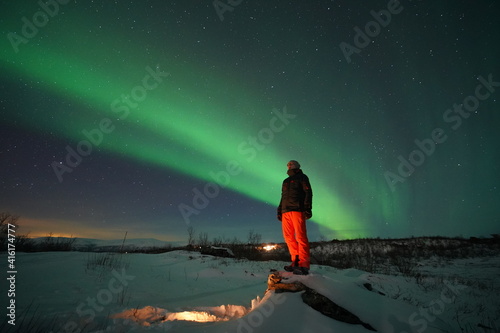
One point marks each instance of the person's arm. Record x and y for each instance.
(306, 186)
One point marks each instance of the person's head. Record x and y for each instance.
(292, 164)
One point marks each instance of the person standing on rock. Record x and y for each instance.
(294, 209)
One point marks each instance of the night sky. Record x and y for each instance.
(148, 117)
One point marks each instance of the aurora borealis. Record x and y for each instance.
(149, 117)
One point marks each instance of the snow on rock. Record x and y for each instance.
(278, 281)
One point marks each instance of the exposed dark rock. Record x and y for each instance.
(369, 287)
(329, 308)
(217, 251)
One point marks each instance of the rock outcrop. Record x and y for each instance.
(315, 300)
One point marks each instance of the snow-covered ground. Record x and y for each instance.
(184, 291)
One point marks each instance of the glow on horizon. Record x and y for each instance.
(39, 228)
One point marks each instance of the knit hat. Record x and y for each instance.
(294, 164)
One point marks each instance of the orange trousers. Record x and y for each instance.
(295, 234)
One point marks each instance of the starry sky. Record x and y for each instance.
(148, 117)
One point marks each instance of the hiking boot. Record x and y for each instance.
(301, 271)
(293, 265)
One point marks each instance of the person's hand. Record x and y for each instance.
(308, 214)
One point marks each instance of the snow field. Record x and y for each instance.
(184, 291)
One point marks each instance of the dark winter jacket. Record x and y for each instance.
(296, 193)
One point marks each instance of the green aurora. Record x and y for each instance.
(195, 120)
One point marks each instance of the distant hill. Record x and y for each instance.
(90, 244)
